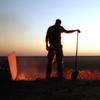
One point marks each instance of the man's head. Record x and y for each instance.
(58, 22)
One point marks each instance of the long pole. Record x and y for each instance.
(76, 72)
(76, 67)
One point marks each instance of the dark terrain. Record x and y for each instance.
(50, 90)
(87, 88)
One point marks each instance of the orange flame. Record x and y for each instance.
(25, 76)
(84, 74)
(12, 65)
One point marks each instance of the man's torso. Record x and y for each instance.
(54, 33)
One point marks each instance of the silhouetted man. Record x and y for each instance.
(54, 47)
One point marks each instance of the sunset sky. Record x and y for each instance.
(24, 23)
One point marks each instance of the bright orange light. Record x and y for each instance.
(25, 76)
(12, 65)
(83, 74)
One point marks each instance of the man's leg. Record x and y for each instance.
(59, 55)
(49, 65)
(59, 67)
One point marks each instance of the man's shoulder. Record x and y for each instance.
(51, 26)
(56, 27)
(62, 27)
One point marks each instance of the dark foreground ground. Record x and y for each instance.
(50, 90)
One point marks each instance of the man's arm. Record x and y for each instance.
(71, 31)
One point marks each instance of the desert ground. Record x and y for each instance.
(50, 90)
(86, 88)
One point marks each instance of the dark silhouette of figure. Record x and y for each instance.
(54, 47)
(4, 70)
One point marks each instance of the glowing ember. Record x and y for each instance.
(90, 75)
(84, 74)
(25, 76)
